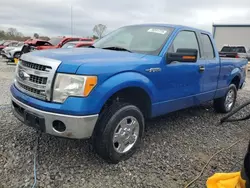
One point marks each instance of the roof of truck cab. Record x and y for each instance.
(171, 25)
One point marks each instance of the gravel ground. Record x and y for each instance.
(175, 149)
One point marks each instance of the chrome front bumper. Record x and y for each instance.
(7, 55)
(78, 127)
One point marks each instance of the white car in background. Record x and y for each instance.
(236, 51)
(13, 51)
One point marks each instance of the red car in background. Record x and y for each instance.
(32, 44)
(53, 43)
(78, 44)
(58, 42)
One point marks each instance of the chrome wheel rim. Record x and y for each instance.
(126, 134)
(229, 99)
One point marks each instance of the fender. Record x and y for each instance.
(235, 72)
(120, 81)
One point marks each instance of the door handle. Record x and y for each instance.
(202, 68)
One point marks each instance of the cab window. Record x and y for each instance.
(185, 39)
(208, 50)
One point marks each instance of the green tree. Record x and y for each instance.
(36, 36)
(2, 34)
(95, 37)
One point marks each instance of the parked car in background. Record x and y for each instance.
(78, 44)
(107, 91)
(236, 51)
(7, 44)
(58, 42)
(13, 52)
(53, 43)
(33, 44)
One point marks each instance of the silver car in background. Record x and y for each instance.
(13, 51)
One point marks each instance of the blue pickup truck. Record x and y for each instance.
(106, 92)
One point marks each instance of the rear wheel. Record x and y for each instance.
(225, 104)
(118, 132)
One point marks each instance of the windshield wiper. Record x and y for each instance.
(117, 48)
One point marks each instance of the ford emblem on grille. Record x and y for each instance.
(23, 75)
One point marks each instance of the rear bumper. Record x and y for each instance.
(78, 127)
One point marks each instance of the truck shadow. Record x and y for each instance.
(174, 144)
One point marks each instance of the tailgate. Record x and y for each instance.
(228, 54)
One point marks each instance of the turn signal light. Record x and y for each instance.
(89, 85)
(188, 57)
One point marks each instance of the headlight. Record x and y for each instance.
(72, 85)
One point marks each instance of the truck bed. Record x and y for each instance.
(238, 61)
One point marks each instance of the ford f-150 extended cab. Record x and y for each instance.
(106, 92)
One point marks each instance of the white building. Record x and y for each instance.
(231, 35)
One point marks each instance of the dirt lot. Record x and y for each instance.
(175, 149)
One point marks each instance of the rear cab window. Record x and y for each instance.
(208, 49)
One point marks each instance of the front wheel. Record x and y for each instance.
(225, 104)
(17, 55)
(118, 132)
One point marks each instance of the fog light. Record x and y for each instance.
(59, 126)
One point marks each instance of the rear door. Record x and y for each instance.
(212, 68)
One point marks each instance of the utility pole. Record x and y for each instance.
(71, 12)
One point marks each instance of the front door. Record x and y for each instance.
(183, 80)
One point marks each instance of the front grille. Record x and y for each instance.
(30, 89)
(35, 66)
(34, 76)
(38, 79)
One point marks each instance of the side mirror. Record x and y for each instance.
(182, 55)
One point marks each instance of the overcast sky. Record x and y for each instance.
(52, 17)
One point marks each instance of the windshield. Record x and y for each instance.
(140, 39)
(13, 44)
(55, 41)
(69, 45)
(238, 49)
(19, 44)
(6, 43)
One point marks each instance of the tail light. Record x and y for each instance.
(237, 56)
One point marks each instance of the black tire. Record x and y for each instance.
(17, 55)
(105, 129)
(220, 103)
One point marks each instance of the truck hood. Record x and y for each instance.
(9, 48)
(18, 48)
(73, 58)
